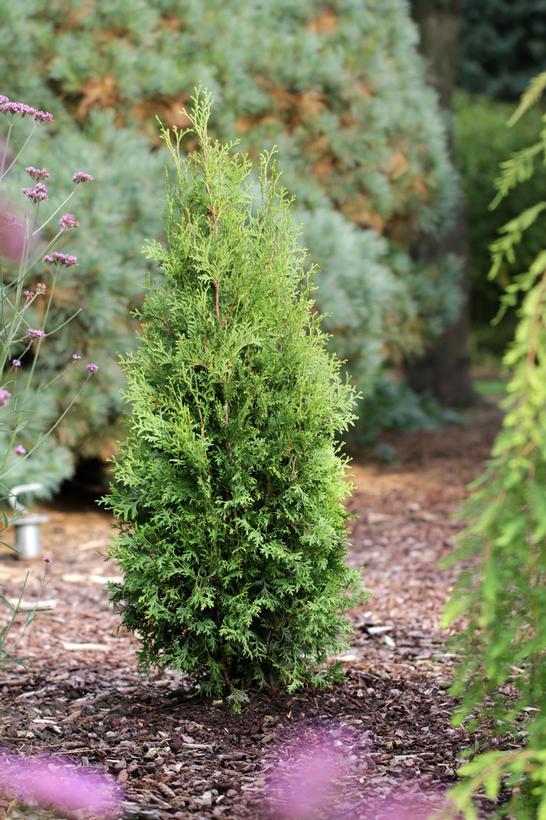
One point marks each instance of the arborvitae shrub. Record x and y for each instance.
(229, 485)
(340, 88)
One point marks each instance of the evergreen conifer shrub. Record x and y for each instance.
(229, 485)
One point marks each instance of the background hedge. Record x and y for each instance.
(482, 141)
(337, 86)
(502, 45)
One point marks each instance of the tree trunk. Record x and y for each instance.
(444, 370)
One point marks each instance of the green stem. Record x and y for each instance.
(19, 152)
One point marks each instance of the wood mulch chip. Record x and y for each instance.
(80, 696)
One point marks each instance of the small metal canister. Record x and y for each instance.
(28, 542)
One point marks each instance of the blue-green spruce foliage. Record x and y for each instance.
(337, 85)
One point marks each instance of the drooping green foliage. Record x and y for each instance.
(229, 485)
(502, 590)
(502, 44)
(482, 141)
(338, 86)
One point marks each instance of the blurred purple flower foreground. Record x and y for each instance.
(12, 236)
(321, 773)
(305, 781)
(52, 784)
(409, 802)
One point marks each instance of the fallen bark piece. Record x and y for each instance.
(89, 545)
(79, 578)
(85, 647)
(378, 518)
(378, 630)
(32, 606)
(106, 579)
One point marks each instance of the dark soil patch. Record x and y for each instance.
(80, 695)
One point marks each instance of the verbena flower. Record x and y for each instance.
(20, 450)
(92, 367)
(7, 106)
(60, 259)
(28, 294)
(43, 116)
(76, 357)
(16, 363)
(23, 109)
(35, 333)
(82, 176)
(5, 396)
(68, 221)
(37, 174)
(38, 193)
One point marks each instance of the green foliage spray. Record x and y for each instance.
(230, 483)
(501, 593)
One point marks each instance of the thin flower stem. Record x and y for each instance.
(66, 321)
(30, 376)
(55, 212)
(53, 427)
(52, 381)
(19, 152)
(6, 148)
(17, 315)
(50, 244)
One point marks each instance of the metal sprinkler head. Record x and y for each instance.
(28, 542)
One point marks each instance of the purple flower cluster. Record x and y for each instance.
(68, 221)
(35, 333)
(9, 107)
(20, 450)
(37, 174)
(91, 367)
(63, 259)
(5, 396)
(82, 176)
(37, 193)
(16, 363)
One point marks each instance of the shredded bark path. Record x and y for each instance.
(80, 695)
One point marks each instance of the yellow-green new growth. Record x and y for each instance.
(501, 592)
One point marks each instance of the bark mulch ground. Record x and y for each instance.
(80, 696)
